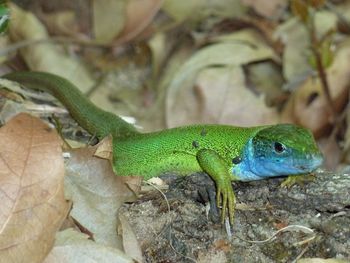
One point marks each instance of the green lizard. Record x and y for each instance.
(226, 153)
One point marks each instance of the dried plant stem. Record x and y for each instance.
(323, 77)
(321, 69)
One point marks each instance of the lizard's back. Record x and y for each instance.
(152, 154)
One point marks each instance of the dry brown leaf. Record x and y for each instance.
(308, 106)
(31, 189)
(226, 99)
(104, 149)
(330, 148)
(97, 193)
(267, 8)
(10, 109)
(140, 14)
(197, 11)
(49, 57)
(296, 53)
(45, 56)
(61, 23)
(130, 244)
(190, 99)
(75, 247)
(108, 19)
(220, 96)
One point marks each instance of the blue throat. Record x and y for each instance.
(244, 170)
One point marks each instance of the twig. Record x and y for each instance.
(320, 67)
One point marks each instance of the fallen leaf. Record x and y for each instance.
(96, 193)
(45, 56)
(31, 189)
(10, 109)
(308, 106)
(198, 10)
(140, 14)
(62, 23)
(130, 244)
(104, 149)
(294, 36)
(267, 8)
(222, 245)
(192, 100)
(165, 66)
(108, 19)
(24, 93)
(223, 98)
(180, 10)
(16, 103)
(49, 57)
(75, 247)
(159, 46)
(266, 78)
(331, 150)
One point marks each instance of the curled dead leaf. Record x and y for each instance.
(203, 92)
(104, 148)
(226, 99)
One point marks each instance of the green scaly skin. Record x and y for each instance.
(226, 153)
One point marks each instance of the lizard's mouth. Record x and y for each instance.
(293, 166)
(311, 162)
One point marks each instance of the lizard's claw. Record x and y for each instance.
(212, 163)
(225, 198)
(297, 179)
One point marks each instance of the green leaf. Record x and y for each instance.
(327, 54)
(4, 17)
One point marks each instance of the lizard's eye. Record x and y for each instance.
(279, 147)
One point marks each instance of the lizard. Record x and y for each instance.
(226, 153)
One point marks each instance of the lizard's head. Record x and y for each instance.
(283, 149)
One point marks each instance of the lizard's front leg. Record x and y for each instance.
(214, 165)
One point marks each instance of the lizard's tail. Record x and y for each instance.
(95, 120)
